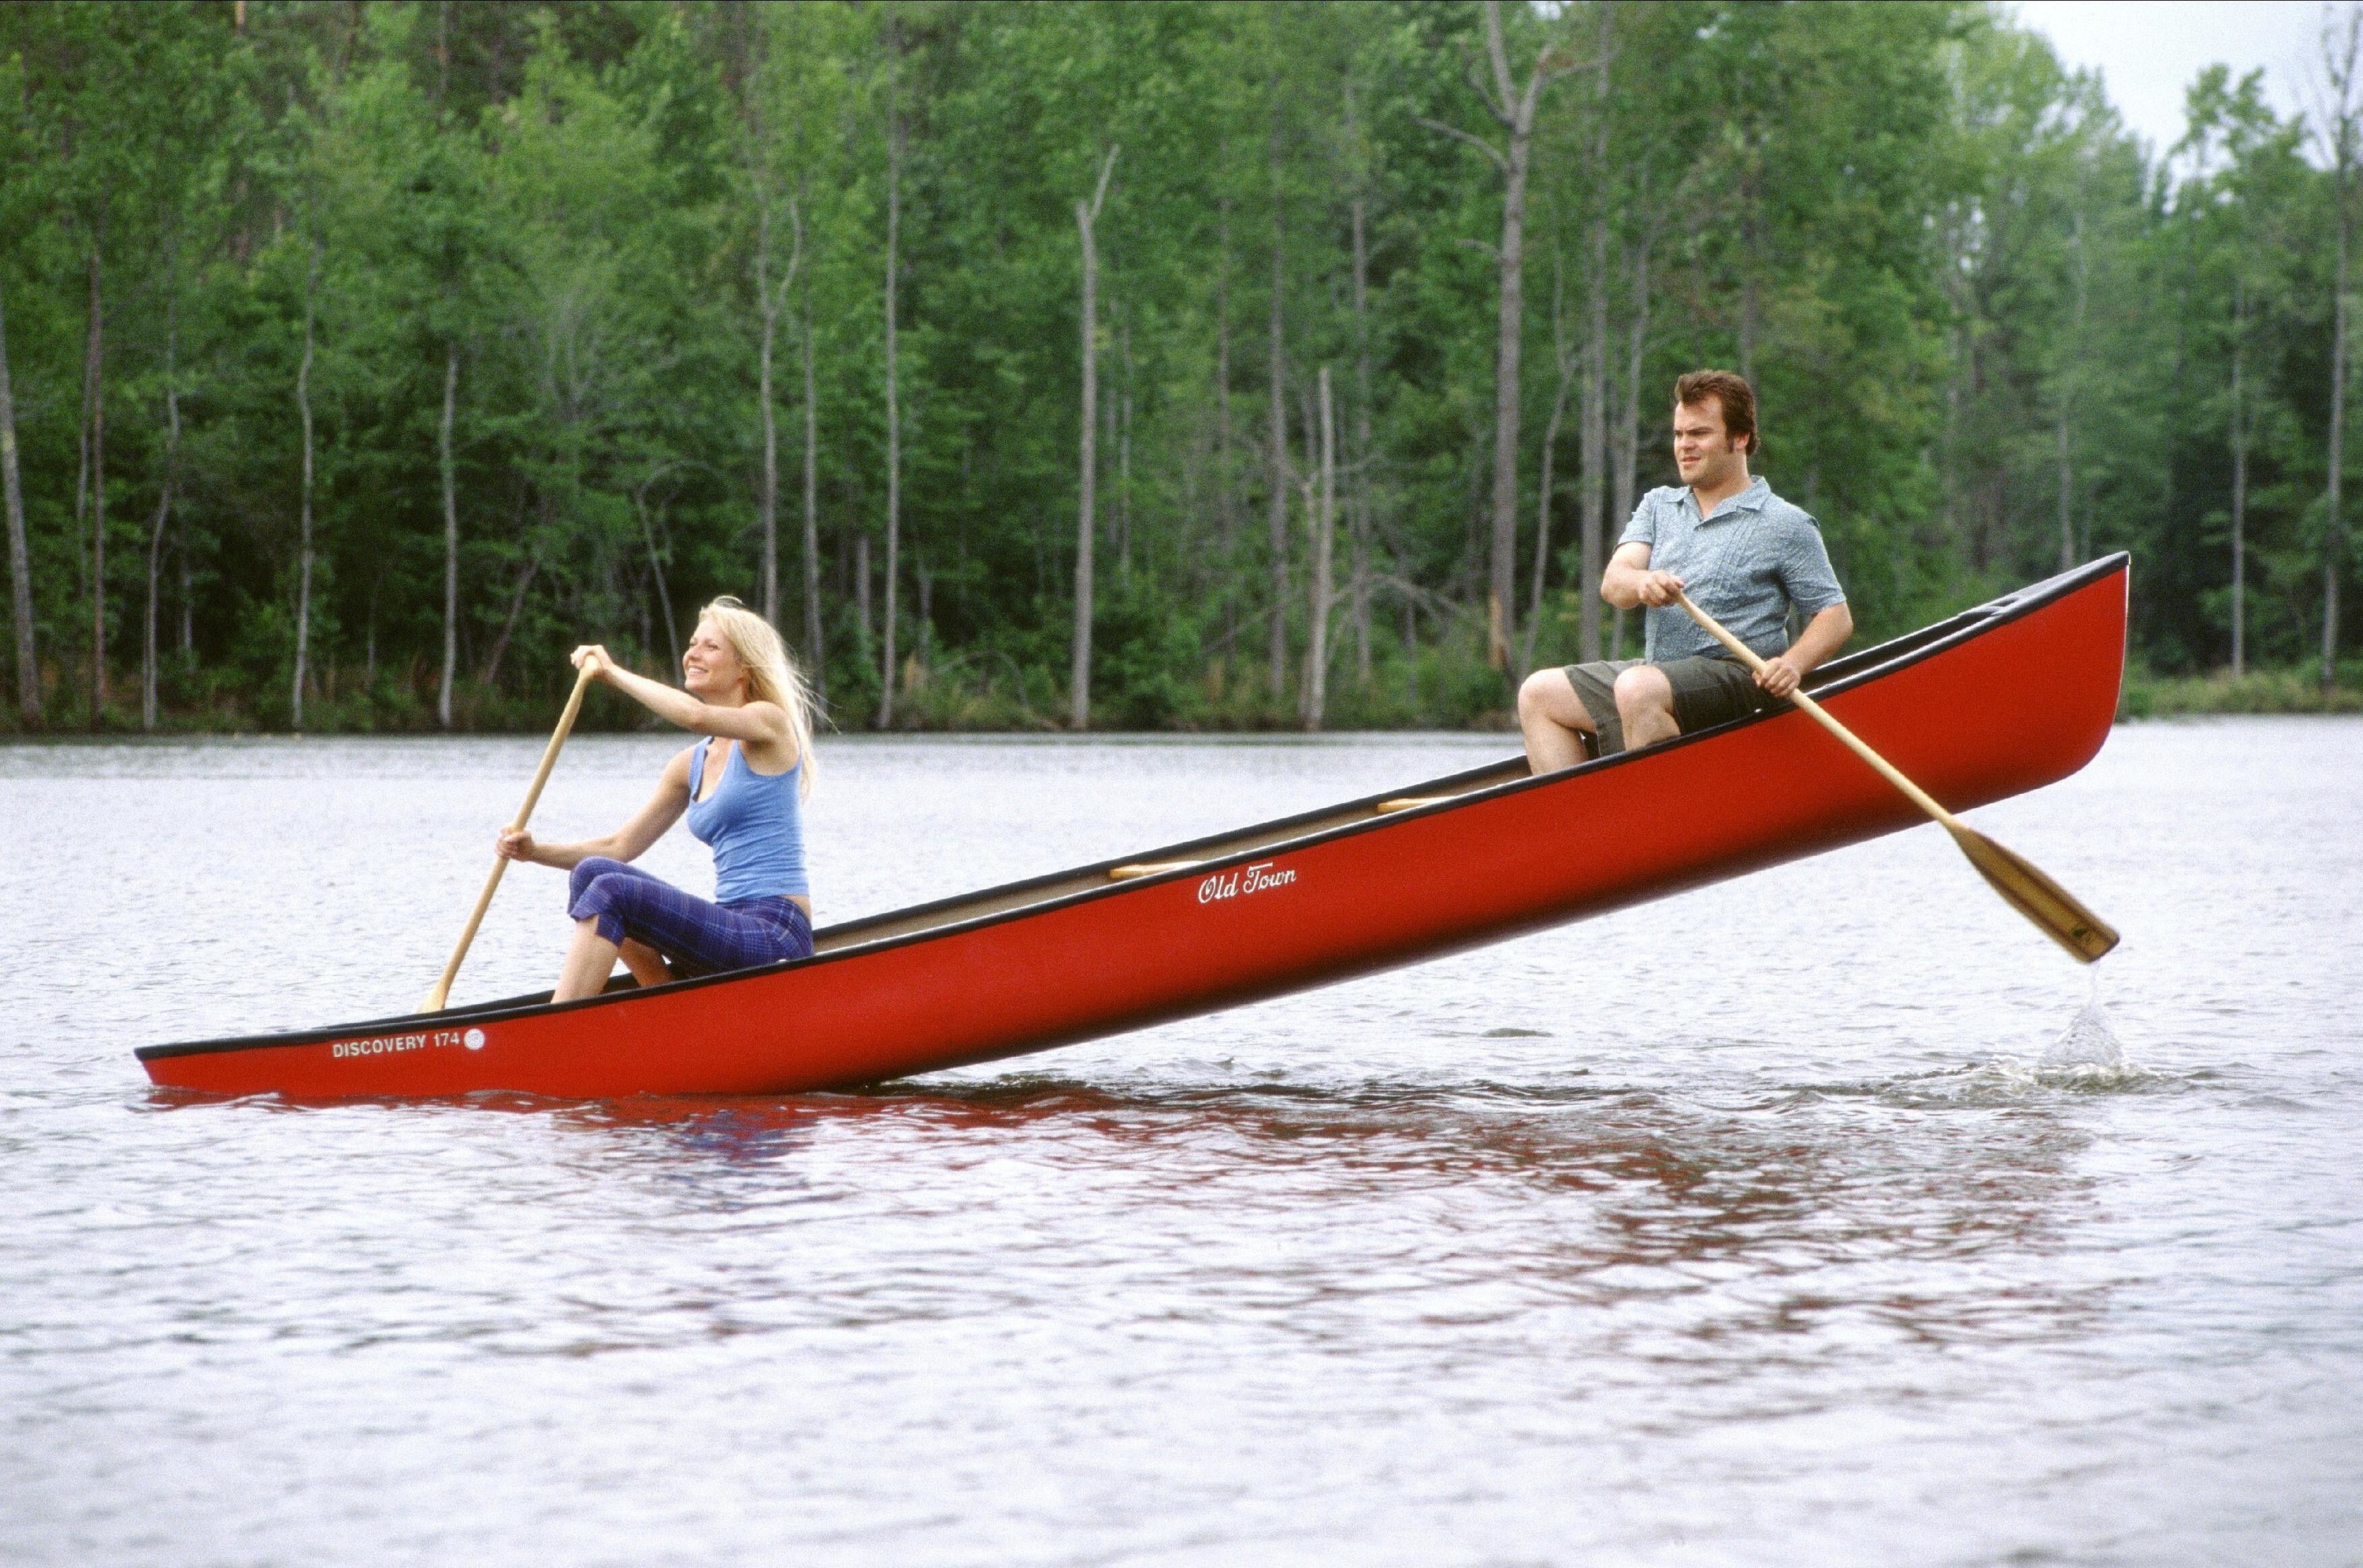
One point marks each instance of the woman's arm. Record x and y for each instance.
(627, 842)
(761, 724)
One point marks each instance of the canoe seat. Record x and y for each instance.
(1405, 802)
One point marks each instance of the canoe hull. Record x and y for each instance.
(1999, 708)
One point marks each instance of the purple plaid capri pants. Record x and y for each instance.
(695, 936)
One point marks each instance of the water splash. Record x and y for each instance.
(2089, 1045)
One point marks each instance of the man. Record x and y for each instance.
(1746, 556)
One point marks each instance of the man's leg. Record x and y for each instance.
(1554, 720)
(1645, 700)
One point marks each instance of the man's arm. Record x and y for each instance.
(1823, 636)
(1629, 581)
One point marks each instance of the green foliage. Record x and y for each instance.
(2147, 696)
(1991, 332)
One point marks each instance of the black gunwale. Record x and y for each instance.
(1839, 675)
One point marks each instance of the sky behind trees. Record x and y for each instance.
(1235, 365)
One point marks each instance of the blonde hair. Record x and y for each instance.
(771, 673)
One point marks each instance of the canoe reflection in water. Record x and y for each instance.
(1819, 1211)
(2001, 699)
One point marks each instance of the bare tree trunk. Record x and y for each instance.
(1324, 539)
(1595, 438)
(1627, 472)
(893, 386)
(1511, 334)
(304, 558)
(188, 593)
(2342, 128)
(1225, 494)
(768, 500)
(491, 673)
(2066, 489)
(148, 654)
(1361, 457)
(655, 567)
(1123, 446)
(2239, 479)
(1513, 110)
(1565, 364)
(2334, 530)
(450, 535)
(20, 567)
(1628, 445)
(816, 665)
(1277, 513)
(768, 301)
(2067, 467)
(1078, 675)
(1748, 244)
(95, 380)
(862, 617)
(82, 451)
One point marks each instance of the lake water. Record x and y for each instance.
(1749, 1226)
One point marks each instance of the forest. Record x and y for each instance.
(1147, 366)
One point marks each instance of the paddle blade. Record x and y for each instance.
(2054, 910)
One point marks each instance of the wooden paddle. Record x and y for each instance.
(2051, 907)
(442, 992)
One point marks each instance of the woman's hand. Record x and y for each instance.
(594, 658)
(515, 843)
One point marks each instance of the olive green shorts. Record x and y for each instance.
(1707, 690)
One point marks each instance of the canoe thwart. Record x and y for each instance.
(1405, 802)
(1148, 869)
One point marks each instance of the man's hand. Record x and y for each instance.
(1779, 676)
(1658, 588)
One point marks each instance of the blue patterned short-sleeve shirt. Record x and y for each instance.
(1745, 564)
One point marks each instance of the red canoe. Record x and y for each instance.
(1999, 700)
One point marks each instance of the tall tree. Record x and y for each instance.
(1595, 359)
(446, 470)
(1513, 109)
(95, 463)
(304, 536)
(20, 567)
(148, 653)
(769, 301)
(894, 152)
(1276, 457)
(816, 661)
(1321, 519)
(1564, 359)
(1087, 216)
(2342, 130)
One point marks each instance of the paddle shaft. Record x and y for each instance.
(442, 992)
(2053, 910)
(1747, 656)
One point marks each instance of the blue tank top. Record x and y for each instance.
(755, 824)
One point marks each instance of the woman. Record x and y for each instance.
(743, 787)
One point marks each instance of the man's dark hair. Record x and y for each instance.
(1733, 393)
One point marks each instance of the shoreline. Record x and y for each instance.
(2161, 709)
(2142, 696)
